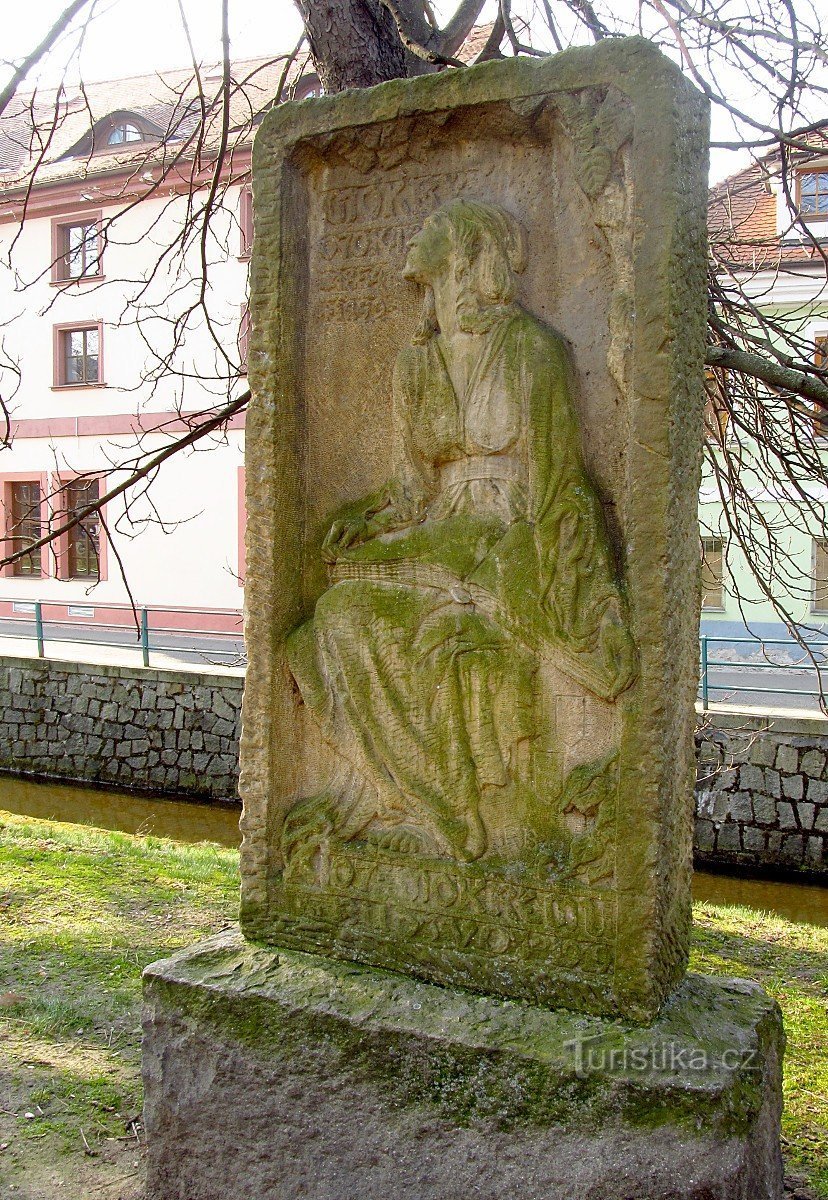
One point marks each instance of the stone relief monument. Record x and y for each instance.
(471, 495)
(472, 598)
(486, 550)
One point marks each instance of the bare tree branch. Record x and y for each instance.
(213, 422)
(784, 378)
(41, 50)
(411, 43)
(458, 27)
(491, 48)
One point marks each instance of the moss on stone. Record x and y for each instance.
(473, 1059)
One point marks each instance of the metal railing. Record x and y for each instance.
(812, 658)
(151, 629)
(145, 629)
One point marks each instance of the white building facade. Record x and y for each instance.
(122, 329)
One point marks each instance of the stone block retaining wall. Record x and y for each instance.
(762, 791)
(147, 730)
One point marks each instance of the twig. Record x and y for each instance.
(61, 24)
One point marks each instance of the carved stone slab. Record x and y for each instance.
(472, 589)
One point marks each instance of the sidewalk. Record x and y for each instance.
(198, 660)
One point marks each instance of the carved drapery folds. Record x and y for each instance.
(485, 554)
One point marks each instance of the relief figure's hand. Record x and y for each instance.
(382, 513)
(345, 532)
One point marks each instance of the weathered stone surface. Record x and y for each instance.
(813, 763)
(721, 805)
(740, 807)
(752, 778)
(787, 816)
(753, 838)
(270, 1076)
(730, 837)
(763, 753)
(787, 759)
(764, 809)
(774, 845)
(772, 783)
(817, 791)
(814, 851)
(400, 807)
(805, 813)
(705, 835)
(793, 787)
(793, 848)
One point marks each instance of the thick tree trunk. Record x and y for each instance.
(355, 43)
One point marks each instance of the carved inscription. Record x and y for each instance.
(480, 915)
(366, 228)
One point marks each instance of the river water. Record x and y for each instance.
(191, 822)
(181, 820)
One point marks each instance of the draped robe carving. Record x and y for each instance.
(486, 554)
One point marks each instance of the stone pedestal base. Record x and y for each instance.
(272, 1075)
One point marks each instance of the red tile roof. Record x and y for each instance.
(742, 216)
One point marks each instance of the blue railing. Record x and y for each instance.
(188, 635)
(811, 658)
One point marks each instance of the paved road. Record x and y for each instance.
(727, 686)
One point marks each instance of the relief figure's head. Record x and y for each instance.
(479, 248)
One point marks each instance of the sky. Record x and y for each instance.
(135, 37)
(131, 37)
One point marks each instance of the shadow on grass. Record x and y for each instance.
(67, 1100)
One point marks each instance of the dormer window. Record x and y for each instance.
(124, 132)
(812, 193)
(308, 85)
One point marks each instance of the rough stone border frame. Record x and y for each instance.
(664, 441)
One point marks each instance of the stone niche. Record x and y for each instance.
(467, 746)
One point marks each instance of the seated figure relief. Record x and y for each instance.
(485, 556)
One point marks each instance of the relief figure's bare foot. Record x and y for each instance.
(307, 823)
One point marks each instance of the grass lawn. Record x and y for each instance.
(82, 911)
(791, 963)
